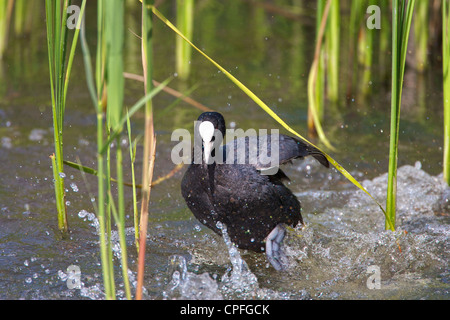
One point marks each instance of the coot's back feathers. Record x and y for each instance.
(289, 148)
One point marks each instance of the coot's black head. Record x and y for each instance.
(215, 118)
(210, 128)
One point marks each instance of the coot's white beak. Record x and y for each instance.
(206, 130)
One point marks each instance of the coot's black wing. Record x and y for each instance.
(263, 152)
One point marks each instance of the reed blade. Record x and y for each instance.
(446, 86)
(149, 140)
(60, 71)
(185, 22)
(402, 12)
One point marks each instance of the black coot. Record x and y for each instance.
(252, 203)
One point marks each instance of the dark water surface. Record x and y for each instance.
(272, 55)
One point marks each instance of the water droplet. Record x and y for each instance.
(82, 214)
(418, 165)
(74, 187)
(62, 275)
(62, 175)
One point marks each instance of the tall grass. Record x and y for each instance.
(402, 12)
(149, 138)
(19, 16)
(421, 34)
(316, 82)
(60, 70)
(366, 54)
(114, 34)
(356, 17)
(446, 86)
(97, 88)
(108, 81)
(185, 22)
(333, 43)
(6, 8)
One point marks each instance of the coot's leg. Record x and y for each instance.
(273, 246)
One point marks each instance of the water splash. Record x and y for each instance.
(331, 256)
(95, 291)
(333, 253)
(188, 285)
(238, 279)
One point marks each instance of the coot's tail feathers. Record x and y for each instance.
(288, 151)
(319, 156)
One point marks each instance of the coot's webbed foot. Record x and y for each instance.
(273, 247)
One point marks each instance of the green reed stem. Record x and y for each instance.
(109, 37)
(319, 83)
(315, 98)
(421, 34)
(384, 40)
(357, 13)
(332, 39)
(446, 85)
(402, 12)
(149, 139)
(132, 148)
(19, 16)
(56, 19)
(114, 31)
(185, 23)
(103, 219)
(6, 8)
(367, 49)
(96, 89)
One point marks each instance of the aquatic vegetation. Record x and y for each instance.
(421, 34)
(111, 62)
(5, 18)
(149, 139)
(446, 86)
(402, 14)
(316, 84)
(333, 39)
(60, 71)
(183, 51)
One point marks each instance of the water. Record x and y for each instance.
(333, 257)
